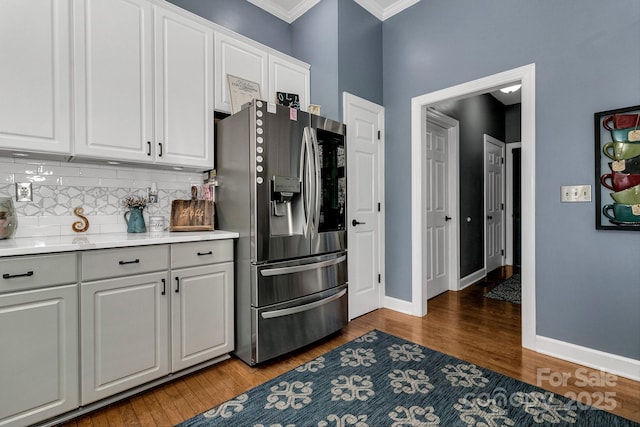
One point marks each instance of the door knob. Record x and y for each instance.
(355, 222)
(447, 218)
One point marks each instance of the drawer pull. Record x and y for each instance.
(14, 276)
(205, 253)
(135, 261)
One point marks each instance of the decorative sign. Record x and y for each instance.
(241, 92)
(288, 99)
(617, 148)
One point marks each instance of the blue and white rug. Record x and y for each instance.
(382, 380)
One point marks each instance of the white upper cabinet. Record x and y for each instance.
(113, 79)
(289, 76)
(35, 109)
(236, 58)
(142, 96)
(184, 90)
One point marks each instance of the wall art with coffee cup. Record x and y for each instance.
(617, 149)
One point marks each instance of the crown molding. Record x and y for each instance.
(287, 15)
(382, 13)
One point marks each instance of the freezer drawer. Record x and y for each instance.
(283, 281)
(288, 326)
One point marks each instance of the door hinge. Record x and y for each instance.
(379, 278)
(502, 160)
(379, 135)
(502, 206)
(378, 207)
(502, 252)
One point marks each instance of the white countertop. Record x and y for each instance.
(81, 242)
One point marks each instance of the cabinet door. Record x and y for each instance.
(289, 77)
(113, 79)
(124, 338)
(38, 354)
(35, 107)
(242, 60)
(201, 314)
(184, 90)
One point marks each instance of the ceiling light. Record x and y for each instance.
(111, 162)
(511, 89)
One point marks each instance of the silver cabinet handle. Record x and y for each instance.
(303, 267)
(304, 307)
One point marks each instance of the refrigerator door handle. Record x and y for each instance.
(304, 179)
(302, 267)
(316, 149)
(304, 307)
(312, 183)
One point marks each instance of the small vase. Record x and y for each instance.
(8, 218)
(135, 221)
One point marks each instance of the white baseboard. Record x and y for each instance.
(607, 362)
(472, 278)
(399, 305)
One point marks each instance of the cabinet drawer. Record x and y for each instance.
(102, 264)
(24, 272)
(201, 253)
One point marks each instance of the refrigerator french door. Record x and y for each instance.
(283, 188)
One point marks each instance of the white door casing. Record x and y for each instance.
(365, 193)
(493, 202)
(526, 76)
(436, 208)
(509, 245)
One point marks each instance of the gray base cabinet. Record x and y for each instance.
(124, 334)
(201, 302)
(38, 338)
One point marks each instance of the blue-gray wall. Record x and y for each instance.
(588, 281)
(476, 115)
(243, 18)
(315, 41)
(360, 53)
(343, 44)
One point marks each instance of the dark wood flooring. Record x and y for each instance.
(463, 324)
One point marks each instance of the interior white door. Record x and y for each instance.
(436, 203)
(365, 177)
(494, 202)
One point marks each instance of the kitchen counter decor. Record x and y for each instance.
(135, 221)
(8, 218)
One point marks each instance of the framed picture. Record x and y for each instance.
(617, 169)
(242, 91)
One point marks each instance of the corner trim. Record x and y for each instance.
(607, 362)
(470, 279)
(401, 306)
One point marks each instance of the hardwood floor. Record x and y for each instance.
(462, 324)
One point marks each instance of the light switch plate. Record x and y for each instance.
(575, 193)
(23, 192)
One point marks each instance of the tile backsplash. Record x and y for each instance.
(59, 187)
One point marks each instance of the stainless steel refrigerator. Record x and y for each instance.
(282, 176)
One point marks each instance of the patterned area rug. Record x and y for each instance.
(510, 290)
(382, 380)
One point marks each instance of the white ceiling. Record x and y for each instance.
(290, 10)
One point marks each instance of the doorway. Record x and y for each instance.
(526, 76)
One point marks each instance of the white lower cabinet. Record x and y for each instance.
(38, 338)
(124, 324)
(201, 314)
(141, 326)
